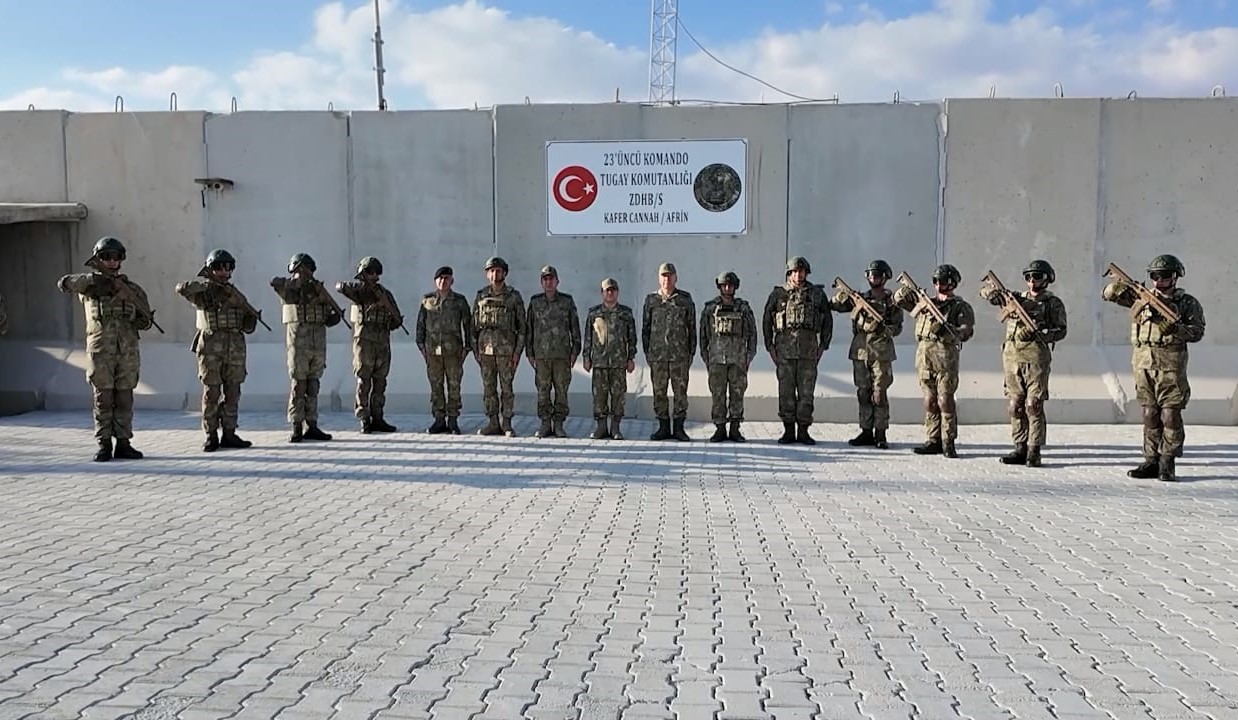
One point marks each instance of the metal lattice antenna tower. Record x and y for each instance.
(664, 27)
(378, 57)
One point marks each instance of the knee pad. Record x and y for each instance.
(1151, 417)
(1035, 406)
(1016, 407)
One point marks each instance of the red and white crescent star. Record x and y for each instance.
(575, 188)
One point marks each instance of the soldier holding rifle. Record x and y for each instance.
(875, 321)
(308, 310)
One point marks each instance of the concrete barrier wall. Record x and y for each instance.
(984, 184)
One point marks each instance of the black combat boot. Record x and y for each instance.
(734, 435)
(931, 447)
(366, 426)
(801, 435)
(378, 424)
(879, 440)
(104, 453)
(544, 430)
(1166, 473)
(508, 430)
(615, 433)
(453, 425)
(788, 434)
(679, 433)
(600, 432)
(864, 439)
(212, 442)
(231, 440)
(947, 449)
(298, 433)
(664, 430)
(1033, 456)
(438, 427)
(1150, 468)
(719, 433)
(313, 432)
(1017, 457)
(559, 430)
(126, 451)
(492, 427)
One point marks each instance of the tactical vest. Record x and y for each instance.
(99, 311)
(1036, 309)
(372, 315)
(728, 320)
(227, 317)
(925, 320)
(798, 313)
(1146, 331)
(310, 313)
(493, 313)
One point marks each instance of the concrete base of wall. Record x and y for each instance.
(1090, 384)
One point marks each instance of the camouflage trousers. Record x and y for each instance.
(552, 374)
(873, 379)
(221, 368)
(371, 363)
(797, 381)
(939, 380)
(305, 368)
(112, 377)
(676, 374)
(1163, 394)
(610, 391)
(727, 385)
(1027, 389)
(445, 373)
(497, 374)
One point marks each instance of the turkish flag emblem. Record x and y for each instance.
(575, 188)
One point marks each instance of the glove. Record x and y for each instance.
(841, 297)
(936, 328)
(869, 325)
(1026, 334)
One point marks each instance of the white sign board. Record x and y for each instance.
(647, 187)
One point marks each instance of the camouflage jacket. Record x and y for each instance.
(112, 323)
(371, 320)
(305, 311)
(552, 327)
(959, 315)
(1020, 344)
(498, 321)
(1156, 343)
(871, 339)
(668, 327)
(797, 323)
(221, 306)
(444, 324)
(610, 336)
(728, 332)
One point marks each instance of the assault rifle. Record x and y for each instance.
(1011, 307)
(326, 297)
(925, 304)
(385, 303)
(236, 298)
(1146, 296)
(861, 305)
(122, 290)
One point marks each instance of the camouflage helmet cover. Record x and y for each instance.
(497, 262)
(797, 263)
(1167, 262)
(727, 277)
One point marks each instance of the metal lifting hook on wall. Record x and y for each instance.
(992, 91)
(119, 105)
(233, 103)
(1215, 88)
(1057, 90)
(330, 107)
(172, 102)
(895, 97)
(1132, 95)
(30, 106)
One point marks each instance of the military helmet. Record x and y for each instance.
(220, 256)
(950, 272)
(1168, 263)
(369, 263)
(302, 259)
(797, 263)
(496, 262)
(880, 266)
(727, 277)
(1041, 266)
(109, 244)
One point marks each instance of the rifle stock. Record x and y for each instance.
(326, 296)
(126, 293)
(925, 303)
(386, 305)
(861, 305)
(238, 299)
(1011, 307)
(1146, 296)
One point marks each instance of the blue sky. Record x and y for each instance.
(218, 48)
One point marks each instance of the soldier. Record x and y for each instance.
(668, 338)
(1026, 355)
(937, 356)
(610, 355)
(444, 336)
(798, 327)
(728, 345)
(116, 310)
(872, 352)
(552, 347)
(498, 339)
(1159, 359)
(308, 311)
(225, 317)
(375, 315)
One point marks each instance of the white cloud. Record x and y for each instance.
(1160, 6)
(469, 52)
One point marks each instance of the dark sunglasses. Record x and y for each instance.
(110, 256)
(224, 266)
(942, 281)
(375, 273)
(1034, 276)
(611, 290)
(1160, 276)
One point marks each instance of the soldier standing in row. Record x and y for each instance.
(1159, 360)
(728, 345)
(668, 338)
(307, 311)
(1027, 353)
(798, 327)
(609, 353)
(872, 352)
(498, 341)
(552, 347)
(444, 335)
(225, 317)
(375, 315)
(938, 347)
(116, 311)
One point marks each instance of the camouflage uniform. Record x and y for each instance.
(498, 341)
(937, 360)
(1159, 361)
(668, 339)
(872, 355)
(307, 315)
(609, 346)
(553, 341)
(444, 335)
(1026, 359)
(112, 355)
(372, 325)
(728, 344)
(798, 327)
(223, 321)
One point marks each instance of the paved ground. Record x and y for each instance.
(411, 577)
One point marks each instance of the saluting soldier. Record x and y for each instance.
(307, 312)
(375, 315)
